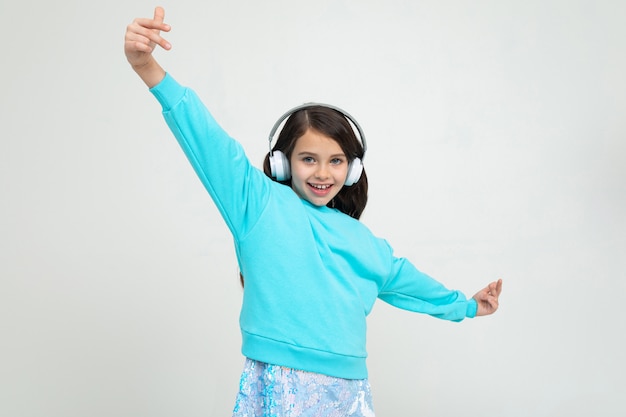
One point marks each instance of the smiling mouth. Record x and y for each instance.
(320, 188)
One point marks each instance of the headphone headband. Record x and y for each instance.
(309, 105)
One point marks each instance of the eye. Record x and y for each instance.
(308, 160)
(336, 161)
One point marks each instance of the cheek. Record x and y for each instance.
(342, 172)
(298, 170)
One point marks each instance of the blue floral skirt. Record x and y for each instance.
(275, 391)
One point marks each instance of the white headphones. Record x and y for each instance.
(279, 164)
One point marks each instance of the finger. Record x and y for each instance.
(159, 14)
(135, 38)
(493, 304)
(495, 288)
(142, 34)
(137, 46)
(148, 24)
(147, 38)
(490, 303)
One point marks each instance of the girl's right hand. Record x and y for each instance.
(142, 36)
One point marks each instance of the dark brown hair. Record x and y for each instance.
(351, 200)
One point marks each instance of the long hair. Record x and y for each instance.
(350, 200)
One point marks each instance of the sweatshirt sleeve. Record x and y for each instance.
(410, 289)
(238, 189)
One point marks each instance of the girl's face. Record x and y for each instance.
(318, 168)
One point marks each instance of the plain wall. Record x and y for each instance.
(497, 148)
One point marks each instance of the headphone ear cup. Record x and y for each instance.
(279, 166)
(354, 172)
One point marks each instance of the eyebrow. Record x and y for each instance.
(337, 155)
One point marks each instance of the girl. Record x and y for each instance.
(312, 271)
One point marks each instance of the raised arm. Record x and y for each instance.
(142, 37)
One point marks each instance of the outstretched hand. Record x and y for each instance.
(487, 298)
(142, 37)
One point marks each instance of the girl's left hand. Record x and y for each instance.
(487, 298)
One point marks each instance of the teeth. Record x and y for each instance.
(321, 187)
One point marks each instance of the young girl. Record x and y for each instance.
(312, 271)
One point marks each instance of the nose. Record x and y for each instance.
(322, 171)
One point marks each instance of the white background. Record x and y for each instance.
(497, 148)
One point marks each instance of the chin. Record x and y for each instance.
(317, 202)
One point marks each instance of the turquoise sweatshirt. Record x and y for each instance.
(312, 274)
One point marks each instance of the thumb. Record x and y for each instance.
(159, 14)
